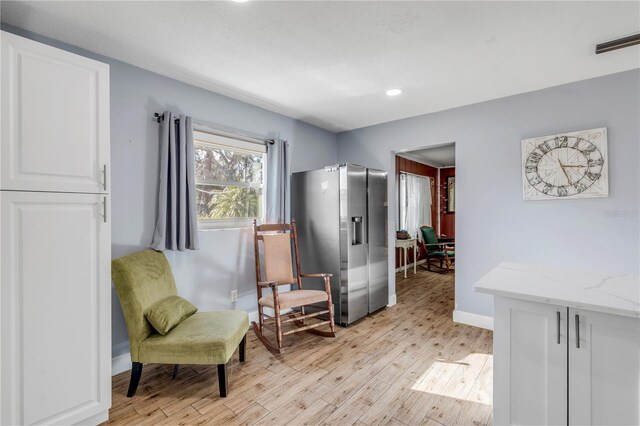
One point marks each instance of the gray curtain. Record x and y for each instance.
(177, 221)
(277, 182)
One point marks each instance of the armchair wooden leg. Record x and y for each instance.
(260, 319)
(278, 326)
(136, 372)
(276, 312)
(332, 323)
(327, 288)
(242, 348)
(175, 371)
(222, 380)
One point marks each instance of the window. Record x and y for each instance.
(229, 180)
(414, 202)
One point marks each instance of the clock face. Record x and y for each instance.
(569, 165)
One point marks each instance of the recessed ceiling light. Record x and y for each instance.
(240, 1)
(394, 92)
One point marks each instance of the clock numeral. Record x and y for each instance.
(534, 181)
(531, 169)
(589, 149)
(535, 157)
(547, 188)
(579, 187)
(562, 191)
(576, 144)
(593, 163)
(563, 142)
(544, 147)
(593, 176)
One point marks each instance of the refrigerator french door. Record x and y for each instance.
(340, 213)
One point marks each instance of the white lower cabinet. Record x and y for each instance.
(556, 365)
(55, 308)
(604, 369)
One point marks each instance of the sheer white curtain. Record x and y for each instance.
(415, 202)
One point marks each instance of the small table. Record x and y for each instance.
(405, 244)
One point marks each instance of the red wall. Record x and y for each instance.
(447, 220)
(404, 165)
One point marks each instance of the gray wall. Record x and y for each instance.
(225, 260)
(493, 223)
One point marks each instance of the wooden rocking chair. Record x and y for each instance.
(278, 271)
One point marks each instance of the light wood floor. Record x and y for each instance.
(405, 365)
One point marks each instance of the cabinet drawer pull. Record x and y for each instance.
(577, 331)
(558, 324)
(104, 174)
(104, 209)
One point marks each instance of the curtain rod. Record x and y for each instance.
(160, 117)
(414, 174)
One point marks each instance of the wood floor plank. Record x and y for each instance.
(250, 415)
(405, 365)
(382, 411)
(361, 401)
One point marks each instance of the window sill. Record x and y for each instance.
(225, 225)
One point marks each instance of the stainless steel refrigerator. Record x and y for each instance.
(341, 216)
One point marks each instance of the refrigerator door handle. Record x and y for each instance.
(356, 230)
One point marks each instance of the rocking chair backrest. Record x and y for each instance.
(277, 258)
(276, 245)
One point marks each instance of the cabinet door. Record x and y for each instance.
(604, 369)
(55, 307)
(530, 363)
(55, 119)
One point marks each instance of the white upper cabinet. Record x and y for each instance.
(55, 119)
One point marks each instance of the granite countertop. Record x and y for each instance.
(583, 289)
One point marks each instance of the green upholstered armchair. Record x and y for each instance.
(144, 278)
(443, 253)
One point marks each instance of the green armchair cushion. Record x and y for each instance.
(166, 313)
(202, 338)
(441, 254)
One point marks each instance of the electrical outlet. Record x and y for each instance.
(234, 296)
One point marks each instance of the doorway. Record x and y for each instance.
(426, 199)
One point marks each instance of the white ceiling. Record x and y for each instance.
(330, 63)
(437, 156)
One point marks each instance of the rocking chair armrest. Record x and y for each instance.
(315, 275)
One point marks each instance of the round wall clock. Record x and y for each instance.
(570, 165)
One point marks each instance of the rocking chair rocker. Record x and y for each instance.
(278, 271)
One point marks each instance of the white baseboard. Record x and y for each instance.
(410, 266)
(120, 364)
(97, 419)
(392, 300)
(475, 320)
